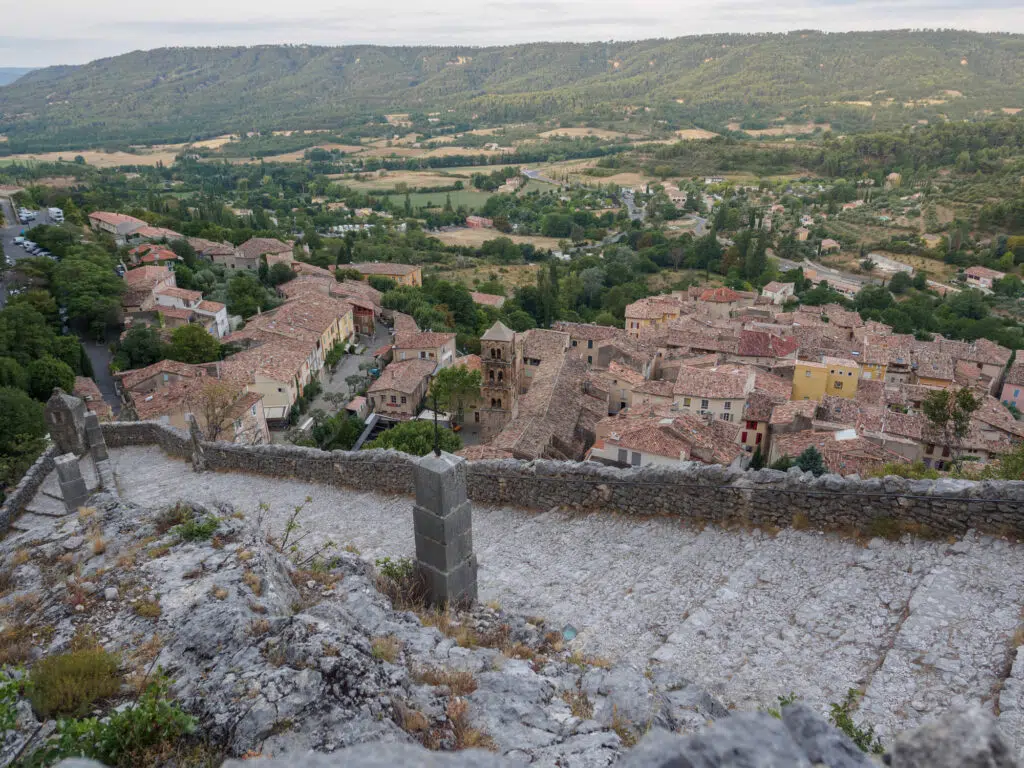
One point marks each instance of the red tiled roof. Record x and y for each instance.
(720, 295)
(383, 268)
(405, 376)
(762, 344)
(115, 219)
(844, 453)
(213, 307)
(712, 383)
(131, 379)
(255, 247)
(487, 299)
(141, 275)
(180, 293)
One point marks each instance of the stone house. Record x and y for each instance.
(118, 225)
(663, 439)
(842, 377)
(212, 315)
(717, 393)
(982, 277)
(401, 387)
(426, 345)
(403, 274)
(1013, 386)
(778, 292)
(143, 284)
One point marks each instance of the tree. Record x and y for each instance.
(454, 387)
(21, 433)
(950, 414)
(246, 295)
(381, 283)
(280, 273)
(757, 460)
(338, 433)
(213, 402)
(416, 438)
(811, 460)
(900, 283)
(46, 373)
(193, 344)
(140, 347)
(12, 374)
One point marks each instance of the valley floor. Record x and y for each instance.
(918, 625)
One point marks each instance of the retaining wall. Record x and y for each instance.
(27, 487)
(700, 492)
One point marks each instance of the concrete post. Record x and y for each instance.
(72, 484)
(442, 520)
(198, 452)
(94, 436)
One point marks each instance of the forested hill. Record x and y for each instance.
(182, 93)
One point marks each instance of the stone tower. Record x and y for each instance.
(499, 394)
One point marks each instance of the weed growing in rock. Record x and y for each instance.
(254, 582)
(176, 515)
(783, 701)
(69, 684)
(400, 581)
(20, 557)
(219, 593)
(623, 729)
(465, 735)
(863, 737)
(9, 688)
(459, 682)
(259, 627)
(148, 609)
(579, 703)
(195, 529)
(386, 648)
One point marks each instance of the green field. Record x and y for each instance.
(467, 197)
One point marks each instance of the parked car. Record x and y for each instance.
(19, 240)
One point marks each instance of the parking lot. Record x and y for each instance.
(15, 251)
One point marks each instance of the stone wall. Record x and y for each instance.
(710, 493)
(27, 487)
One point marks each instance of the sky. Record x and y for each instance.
(73, 32)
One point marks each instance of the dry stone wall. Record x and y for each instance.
(712, 493)
(27, 487)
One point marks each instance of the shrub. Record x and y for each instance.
(386, 648)
(134, 736)
(195, 529)
(69, 684)
(148, 609)
(915, 471)
(400, 581)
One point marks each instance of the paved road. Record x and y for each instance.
(538, 176)
(636, 212)
(7, 235)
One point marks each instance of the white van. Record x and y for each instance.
(56, 214)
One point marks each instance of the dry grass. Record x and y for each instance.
(582, 660)
(410, 720)
(302, 577)
(219, 593)
(243, 555)
(575, 133)
(466, 736)
(259, 627)
(351, 549)
(148, 609)
(624, 729)
(579, 704)
(16, 644)
(98, 543)
(157, 552)
(800, 521)
(386, 648)
(254, 582)
(99, 159)
(459, 682)
(20, 557)
(477, 237)
(84, 513)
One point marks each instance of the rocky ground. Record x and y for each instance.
(279, 652)
(918, 625)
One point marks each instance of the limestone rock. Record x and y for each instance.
(965, 739)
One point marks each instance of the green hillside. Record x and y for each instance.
(176, 94)
(10, 74)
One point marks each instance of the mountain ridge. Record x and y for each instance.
(178, 94)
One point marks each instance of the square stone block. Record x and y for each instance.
(442, 529)
(67, 468)
(452, 587)
(440, 482)
(444, 556)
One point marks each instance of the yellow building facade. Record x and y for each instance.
(809, 380)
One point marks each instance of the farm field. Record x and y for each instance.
(387, 182)
(467, 197)
(511, 277)
(477, 237)
(151, 156)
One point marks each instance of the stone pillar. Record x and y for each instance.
(94, 436)
(198, 452)
(442, 520)
(65, 421)
(72, 484)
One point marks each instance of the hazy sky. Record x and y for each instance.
(66, 32)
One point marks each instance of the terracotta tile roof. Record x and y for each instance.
(775, 287)
(277, 360)
(619, 372)
(405, 376)
(654, 308)
(541, 344)
(760, 344)
(759, 406)
(995, 414)
(870, 392)
(87, 390)
(839, 361)
(405, 324)
(985, 351)
(487, 299)
(132, 378)
(115, 219)
(176, 313)
(713, 383)
(180, 293)
(844, 453)
(1015, 375)
(587, 330)
(156, 233)
(141, 275)
(786, 413)
(255, 247)
(935, 365)
(311, 270)
(423, 340)
(212, 307)
(383, 268)
(679, 436)
(356, 288)
(841, 316)
(209, 247)
(720, 295)
(656, 388)
(483, 453)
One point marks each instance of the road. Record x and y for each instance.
(636, 212)
(538, 176)
(828, 273)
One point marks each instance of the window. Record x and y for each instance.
(945, 451)
(704, 404)
(837, 385)
(394, 399)
(728, 405)
(590, 358)
(623, 456)
(499, 353)
(403, 356)
(832, 372)
(635, 459)
(751, 425)
(403, 399)
(590, 343)
(743, 437)
(686, 402)
(490, 375)
(757, 439)
(476, 416)
(423, 355)
(279, 389)
(725, 416)
(574, 342)
(499, 402)
(1016, 394)
(867, 374)
(931, 448)
(501, 376)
